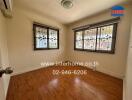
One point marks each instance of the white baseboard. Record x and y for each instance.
(110, 73)
(27, 69)
(31, 68)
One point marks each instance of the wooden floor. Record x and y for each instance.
(43, 85)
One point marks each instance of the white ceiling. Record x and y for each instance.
(81, 8)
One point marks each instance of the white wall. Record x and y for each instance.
(128, 79)
(2, 95)
(4, 51)
(113, 64)
(20, 41)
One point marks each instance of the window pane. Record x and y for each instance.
(53, 38)
(79, 40)
(79, 44)
(41, 37)
(98, 41)
(90, 39)
(104, 38)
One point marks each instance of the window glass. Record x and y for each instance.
(98, 39)
(90, 39)
(41, 37)
(79, 40)
(53, 38)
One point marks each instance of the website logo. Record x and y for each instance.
(117, 11)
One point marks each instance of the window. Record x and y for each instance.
(45, 37)
(99, 37)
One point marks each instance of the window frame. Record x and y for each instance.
(98, 25)
(35, 24)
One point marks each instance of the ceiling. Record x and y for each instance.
(81, 8)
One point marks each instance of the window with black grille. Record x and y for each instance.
(45, 37)
(99, 37)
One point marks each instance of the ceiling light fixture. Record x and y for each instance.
(67, 3)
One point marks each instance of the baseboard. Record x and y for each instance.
(102, 70)
(27, 69)
(21, 70)
(111, 73)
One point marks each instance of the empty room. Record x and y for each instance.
(65, 49)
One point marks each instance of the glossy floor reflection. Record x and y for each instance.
(43, 85)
